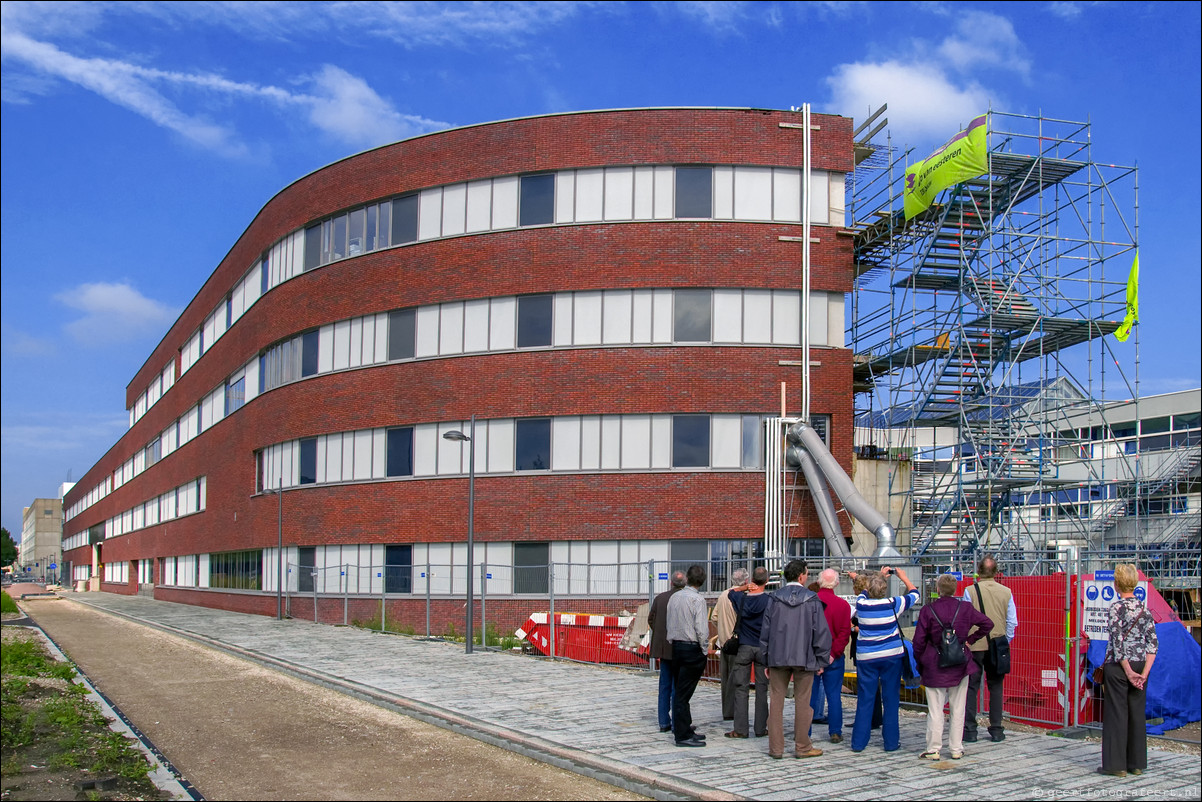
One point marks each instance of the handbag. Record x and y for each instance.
(910, 675)
(951, 650)
(997, 656)
(731, 645)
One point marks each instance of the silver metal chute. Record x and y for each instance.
(812, 445)
(797, 457)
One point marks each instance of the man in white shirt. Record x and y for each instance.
(689, 632)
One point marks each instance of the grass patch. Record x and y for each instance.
(7, 605)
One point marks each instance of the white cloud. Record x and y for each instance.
(345, 107)
(924, 104)
(1069, 11)
(984, 40)
(114, 313)
(19, 344)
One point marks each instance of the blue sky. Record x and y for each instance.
(139, 140)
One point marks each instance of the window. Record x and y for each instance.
(239, 570)
(154, 453)
(235, 395)
(536, 204)
(534, 320)
(753, 441)
(533, 439)
(691, 316)
(822, 426)
(690, 552)
(530, 564)
(398, 569)
(312, 250)
(309, 342)
(402, 334)
(400, 451)
(306, 559)
(690, 441)
(264, 275)
(308, 461)
(404, 219)
(694, 192)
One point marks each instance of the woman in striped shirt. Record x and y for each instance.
(879, 655)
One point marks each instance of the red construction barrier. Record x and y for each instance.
(590, 638)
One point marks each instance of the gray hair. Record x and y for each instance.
(946, 584)
(829, 578)
(678, 579)
(878, 585)
(739, 576)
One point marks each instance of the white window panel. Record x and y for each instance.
(500, 446)
(355, 355)
(381, 346)
(565, 444)
(724, 193)
(333, 467)
(367, 349)
(662, 317)
(342, 345)
(253, 285)
(139, 517)
(322, 475)
(379, 453)
(726, 441)
(786, 195)
(565, 196)
(834, 319)
(786, 318)
(586, 328)
(203, 491)
(619, 193)
(757, 316)
(661, 441)
(187, 424)
(817, 322)
(481, 437)
(502, 324)
(753, 193)
(728, 316)
(505, 202)
(429, 213)
(636, 442)
(426, 343)
(154, 392)
(454, 209)
(479, 206)
(168, 376)
(167, 441)
(644, 192)
(605, 581)
(425, 449)
(348, 456)
(819, 197)
(190, 352)
(252, 377)
(325, 348)
(837, 209)
(590, 442)
(616, 310)
(611, 442)
(209, 332)
(217, 399)
(450, 335)
(452, 454)
(363, 449)
(590, 195)
(561, 319)
(475, 325)
(665, 202)
(640, 314)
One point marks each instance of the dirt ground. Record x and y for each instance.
(236, 730)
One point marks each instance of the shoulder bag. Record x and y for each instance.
(997, 656)
(731, 646)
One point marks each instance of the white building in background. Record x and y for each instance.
(40, 551)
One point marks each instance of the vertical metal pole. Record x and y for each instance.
(345, 580)
(279, 556)
(471, 512)
(483, 593)
(384, 594)
(551, 613)
(652, 663)
(1070, 684)
(429, 577)
(313, 573)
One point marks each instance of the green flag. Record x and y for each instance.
(964, 156)
(1124, 330)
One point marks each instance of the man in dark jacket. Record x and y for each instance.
(797, 645)
(661, 649)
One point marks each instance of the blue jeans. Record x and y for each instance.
(885, 673)
(665, 693)
(828, 688)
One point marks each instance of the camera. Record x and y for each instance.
(887, 572)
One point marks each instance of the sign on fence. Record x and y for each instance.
(1099, 594)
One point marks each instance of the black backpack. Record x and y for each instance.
(951, 650)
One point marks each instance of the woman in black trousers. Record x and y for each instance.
(1129, 657)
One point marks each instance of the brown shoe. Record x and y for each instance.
(836, 739)
(776, 757)
(811, 753)
(734, 734)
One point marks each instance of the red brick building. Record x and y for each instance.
(615, 296)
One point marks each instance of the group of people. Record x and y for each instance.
(799, 636)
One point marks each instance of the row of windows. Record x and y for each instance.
(569, 443)
(186, 499)
(568, 196)
(150, 396)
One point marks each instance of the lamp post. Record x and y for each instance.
(279, 552)
(460, 437)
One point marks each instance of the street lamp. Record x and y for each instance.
(279, 553)
(460, 437)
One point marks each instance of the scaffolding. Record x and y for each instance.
(980, 332)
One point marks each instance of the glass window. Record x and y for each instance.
(753, 441)
(400, 451)
(404, 220)
(356, 232)
(822, 426)
(312, 247)
(235, 395)
(239, 570)
(309, 342)
(530, 563)
(692, 319)
(690, 441)
(398, 569)
(536, 205)
(1187, 421)
(306, 559)
(264, 275)
(694, 192)
(308, 461)
(1154, 425)
(690, 552)
(533, 444)
(402, 333)
(534, 320)
(338, 245)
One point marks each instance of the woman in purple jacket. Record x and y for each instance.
(946, 685)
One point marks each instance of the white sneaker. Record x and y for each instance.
(929, 756)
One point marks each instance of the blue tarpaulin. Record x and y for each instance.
(1174, 694)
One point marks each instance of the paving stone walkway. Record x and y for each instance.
(601, 721)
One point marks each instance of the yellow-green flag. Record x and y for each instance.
(964, 156)
(1124, 330)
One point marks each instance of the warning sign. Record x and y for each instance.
(1099, 594)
